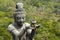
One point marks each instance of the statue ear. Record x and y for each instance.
(16, 7)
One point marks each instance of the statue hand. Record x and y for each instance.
(37, 26)
(27, 26)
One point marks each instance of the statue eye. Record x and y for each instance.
(22, 17)
(19, 17)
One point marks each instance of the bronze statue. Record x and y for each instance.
(21, 30)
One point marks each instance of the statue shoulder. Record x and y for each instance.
(27, 24)
(11, 27)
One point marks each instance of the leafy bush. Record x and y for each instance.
(44, 11)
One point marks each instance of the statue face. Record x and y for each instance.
(19, 18)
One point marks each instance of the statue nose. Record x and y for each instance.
(21, 20)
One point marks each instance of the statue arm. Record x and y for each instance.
(12, 30)
(29, 31)
(15, 31)
(28, 28)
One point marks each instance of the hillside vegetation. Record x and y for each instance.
(46, 13)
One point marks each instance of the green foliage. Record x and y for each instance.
(44, 11)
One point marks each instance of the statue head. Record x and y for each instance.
(20, 14)
(19, 5)
(19, 18)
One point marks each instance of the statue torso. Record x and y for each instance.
(14, 26)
